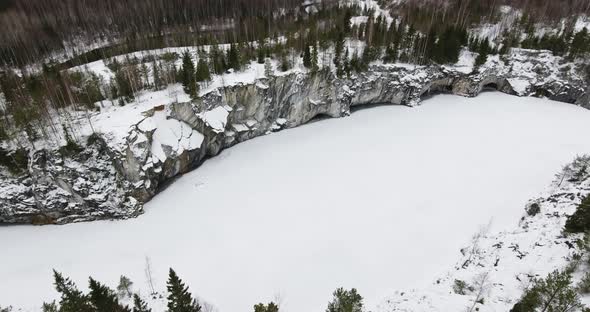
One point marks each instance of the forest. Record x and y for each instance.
(35, 80)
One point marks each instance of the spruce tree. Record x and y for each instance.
(188, 75)
(260, 54)
(233, 57)
(580, 43)
(484, 51)
(179, 298)
(72, 299)
(268, 70)
(156, 72)
(314, 57)
(390, 54)
(203, 73)
(103, 299)
(139, 304)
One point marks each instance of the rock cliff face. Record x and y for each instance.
(103, 182)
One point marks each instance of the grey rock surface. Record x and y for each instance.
(101, 183)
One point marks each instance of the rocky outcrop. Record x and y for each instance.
(103, 182)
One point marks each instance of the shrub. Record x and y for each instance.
(15, 161)
(459, 287)
(533, 209)
(579, 222)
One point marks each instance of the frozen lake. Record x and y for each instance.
(380, 201)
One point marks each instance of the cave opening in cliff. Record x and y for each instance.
(319, 117)
(492, 86)
(436, 90)
(359, 107)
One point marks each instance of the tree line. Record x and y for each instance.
(101, 298)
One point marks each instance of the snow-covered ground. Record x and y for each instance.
(381, 201)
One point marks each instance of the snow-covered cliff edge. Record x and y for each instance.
(110, 180)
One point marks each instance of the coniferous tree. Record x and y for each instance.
(233, 57)
(484, 51)
(217, 60)
(260, 53)
(271, 307)
(156, 72)
(188, 75)
(203, 73)
(179, 298)
(314, 57)
(346, 301)
(103, 299)
(268, 71)
(580, 43)
(139, 304)
(72, 299)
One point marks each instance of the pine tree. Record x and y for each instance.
(580, 43)
(285, 64)
(217, 60)
(346, 301)
(307, 57)
(260, 53)
(484, 51)
(203, 73)
(72, 299)
(268, 71)
(188, 75)
(104, 299)
(158, 83)
(139, 304)
(233, 57)
(390, 54)
(179, 298)
(314, 57)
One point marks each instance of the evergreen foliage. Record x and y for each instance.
(189, 81)
(554, 293)
(484, 50)
(346, 301)
(580, 43)
(579, 222)
(203, 73)
(103, 299)
(233, 57)
(72, 299)
(270, 307)
(139, 304)
(179, 298)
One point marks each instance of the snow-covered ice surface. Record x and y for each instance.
(382, 201)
